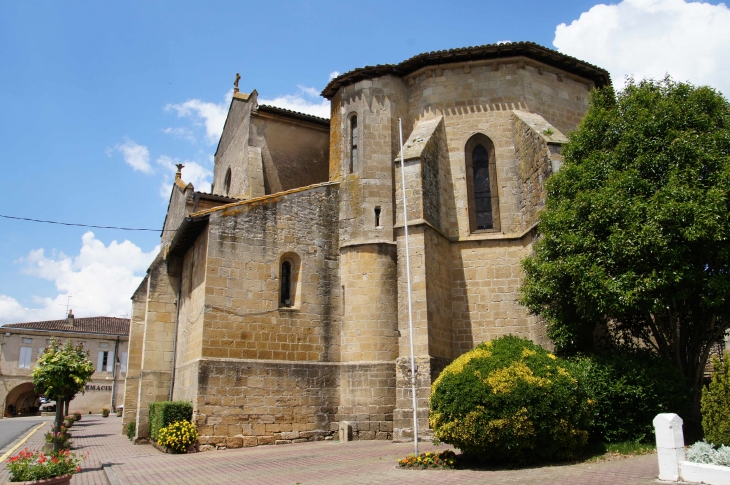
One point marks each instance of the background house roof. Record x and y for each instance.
(102, 325)
(599, 76)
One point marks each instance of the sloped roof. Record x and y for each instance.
(102, 325)
(534, 51)
(293, 114)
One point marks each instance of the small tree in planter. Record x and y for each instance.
(60, 373)
(104, 412)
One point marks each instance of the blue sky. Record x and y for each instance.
(98, 100)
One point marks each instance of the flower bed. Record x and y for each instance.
(178, 437)
(430, 459)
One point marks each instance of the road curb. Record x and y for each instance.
(110, 474)
(20, 443)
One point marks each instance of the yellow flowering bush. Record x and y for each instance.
(510, 400)
(430, 459)
(178, 436)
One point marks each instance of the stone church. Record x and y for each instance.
(278, 303)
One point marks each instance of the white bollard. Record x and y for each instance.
(669, 445)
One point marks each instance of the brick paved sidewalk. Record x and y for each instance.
(364, 462)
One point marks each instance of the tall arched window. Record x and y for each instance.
(227, 182)
(286, 297)
(482, 188)
(353, 144)
(481, 183)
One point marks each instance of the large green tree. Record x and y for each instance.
(635, 235)
(60, 373)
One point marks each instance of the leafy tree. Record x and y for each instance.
(60, 373)
(635, 235)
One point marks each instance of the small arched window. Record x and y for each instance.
(353, 144)
(481, 184)
(286, 296)
(227, 183)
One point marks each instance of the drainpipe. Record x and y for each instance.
(114, 375)
(174, 339)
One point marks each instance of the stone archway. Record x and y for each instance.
(22, 400)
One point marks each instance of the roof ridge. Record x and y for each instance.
(289, 111)
(541, 53)
(99, 325)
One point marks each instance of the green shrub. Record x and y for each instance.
(130, 429)
(163, 413)
(629, 389)
(716, 404)
(509, 400)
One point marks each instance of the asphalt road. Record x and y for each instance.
(12, 429)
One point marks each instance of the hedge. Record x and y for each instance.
(163, 413)
(629, 389)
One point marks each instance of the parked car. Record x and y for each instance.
(48, 407)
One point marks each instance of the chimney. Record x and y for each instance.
(70, 318)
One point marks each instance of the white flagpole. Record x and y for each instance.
(408, 279)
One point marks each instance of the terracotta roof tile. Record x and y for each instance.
(102, 325)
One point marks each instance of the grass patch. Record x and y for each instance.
(630, 448)
(612, 451)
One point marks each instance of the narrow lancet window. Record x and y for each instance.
(353, 144)
(377, 217)
(227, 182)
(482, 188)
(286, 283)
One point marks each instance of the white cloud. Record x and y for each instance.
(180, 133)
(211, 115)
(135, 155)
(193, 172)
(649, 38)
(307, 100)
(503, 42)
(334, 74)
(100, 279)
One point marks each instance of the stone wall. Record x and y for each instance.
(243, 315)
(486, 276)
(370, 324)
(537, 147)
(367, 399)
(294, 152)
(377, 104)
(192, 301)
(155, 375)
(136, 342)
(250, 402)
(232, 149)
(499, 85)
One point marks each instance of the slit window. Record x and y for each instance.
(377, 217)
(286, 284)
(227, 182)
(353, 144)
